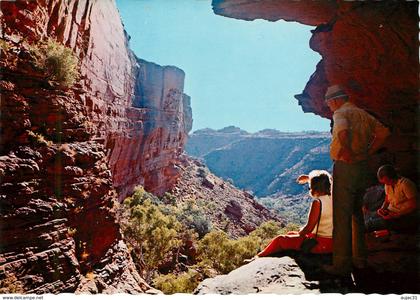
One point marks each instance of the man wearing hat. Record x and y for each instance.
(355, 136)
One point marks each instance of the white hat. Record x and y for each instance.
(334, 92)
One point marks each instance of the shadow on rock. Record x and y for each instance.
(377, 277)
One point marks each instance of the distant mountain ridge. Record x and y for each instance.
(266, 162)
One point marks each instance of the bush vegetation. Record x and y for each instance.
(11, 285)
(157, 233)
(151, 234)
(5, 46)
(193, 217)
(58, 61)
(38, 138)
(178, 283)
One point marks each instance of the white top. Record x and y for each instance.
(326, 222)
(401, 197)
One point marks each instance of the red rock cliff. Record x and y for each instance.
(68, 154)
(148, 151)
(369, 46)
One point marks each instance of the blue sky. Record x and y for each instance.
(237, 72)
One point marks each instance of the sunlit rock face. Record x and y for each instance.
(370, 47)
(123, 123)
(148, 152)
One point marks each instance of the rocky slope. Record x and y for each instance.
(302, 274)
(392, 267)
(228, 208)
(266, 162)
(68, 153)
(370, 47)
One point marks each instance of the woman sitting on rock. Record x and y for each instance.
(319, 182)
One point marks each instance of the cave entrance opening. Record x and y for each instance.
(237, 72)
(242, 77)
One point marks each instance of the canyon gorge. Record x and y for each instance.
(123, 123)
(70, 155)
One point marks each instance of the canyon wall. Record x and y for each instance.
(370, 47)
(148, 151)
(68, 154)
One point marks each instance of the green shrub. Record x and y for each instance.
(151, 234)
(267, 230)
(218, 252)
(246, 247)
(57, 60)
(215, 250)
(139, 197)
(193, 217)
(200, 224)
(289, 227)
(222, 254)
(158, 232)
(168, 198)
(178, 283)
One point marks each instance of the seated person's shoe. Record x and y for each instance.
(246, 261)
(381, 233)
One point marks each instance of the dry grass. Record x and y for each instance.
(71, 232)
(90, 275)
(38, 138)
(11, 285)
(5, 46)
(58, 61)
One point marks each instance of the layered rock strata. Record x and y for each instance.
(68, 153)
(147, 153)
(370, 47)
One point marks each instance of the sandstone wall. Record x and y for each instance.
(66, 155)
(148, 152)
(369, 46)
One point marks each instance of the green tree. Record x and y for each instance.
(215, 251)
(151, 235)
(193, 217)
(178, 283)
(157, 231)
(218, 252)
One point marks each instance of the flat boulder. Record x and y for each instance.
(278, 275)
